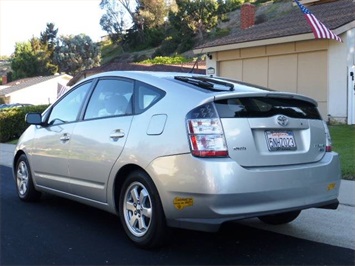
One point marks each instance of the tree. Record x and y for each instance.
(31, 59)
(114, 22)
(24, 62)
(152, 13)
(49, 41)
(134, 21)
(49, 37)
(44, 56)
(200, 16)
(76, 53)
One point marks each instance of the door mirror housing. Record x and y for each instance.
(34, 119)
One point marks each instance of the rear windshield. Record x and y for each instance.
(253, 107)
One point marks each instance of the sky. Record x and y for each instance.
(20, 20)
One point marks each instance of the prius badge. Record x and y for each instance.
(282, 120)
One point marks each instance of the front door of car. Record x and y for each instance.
(97, 141)
(52, 142)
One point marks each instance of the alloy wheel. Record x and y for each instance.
(137, 209)
(22, 178)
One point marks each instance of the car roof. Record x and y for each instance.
(158, 78)
(154, 75)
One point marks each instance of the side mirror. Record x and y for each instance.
(34, 119)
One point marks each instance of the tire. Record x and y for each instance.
(24, 182)
(281, 218)
(141, 211)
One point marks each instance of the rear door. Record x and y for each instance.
(97, 141)
(272, 130)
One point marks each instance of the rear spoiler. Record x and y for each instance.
(286, 95)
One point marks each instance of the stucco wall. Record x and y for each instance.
(41, 93)
(34, 95)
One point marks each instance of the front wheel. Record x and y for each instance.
(141, 211)
(24, 183)
(281, 218)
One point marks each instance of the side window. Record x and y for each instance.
(111, 97)
(147, 96)
(68, 108)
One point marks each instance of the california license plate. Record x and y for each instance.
(280, 140)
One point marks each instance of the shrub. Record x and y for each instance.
(168, 47)
(219, 33)
(166, 60)
(12, 121)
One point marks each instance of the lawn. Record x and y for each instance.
(343, 138)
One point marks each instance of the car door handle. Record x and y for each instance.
(65, 137)
(118, 133)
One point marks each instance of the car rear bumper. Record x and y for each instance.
(213, 224)
(202, 194)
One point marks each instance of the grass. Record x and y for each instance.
(343, 138)
(109, 51)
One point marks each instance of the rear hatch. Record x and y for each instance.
(270, 129)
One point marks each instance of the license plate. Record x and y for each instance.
(280, 140)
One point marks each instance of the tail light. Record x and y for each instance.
(328, 139)
(205, 132)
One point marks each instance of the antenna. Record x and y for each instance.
(197, 59)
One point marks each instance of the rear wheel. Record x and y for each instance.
(24, 183)
(141, 211)
(281, 218)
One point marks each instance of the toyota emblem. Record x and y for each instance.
(282, 120)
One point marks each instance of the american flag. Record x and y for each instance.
(61, 90)
(319, 30)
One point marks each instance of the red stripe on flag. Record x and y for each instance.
(320, 31)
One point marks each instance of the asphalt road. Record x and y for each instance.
(56, 231)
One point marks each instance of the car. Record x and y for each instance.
(13, 105)
(179, 150)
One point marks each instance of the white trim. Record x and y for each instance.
(294, 38)
(351, 95)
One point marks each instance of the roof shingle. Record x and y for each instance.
(333, 15)
(23, 83)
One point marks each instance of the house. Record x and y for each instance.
(36, 90)
(283, 54)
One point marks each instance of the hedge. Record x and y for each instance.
(12, 121)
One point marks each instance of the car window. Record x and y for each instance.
(68, 108)
(256, 107)
(111, 97)
(147, 96)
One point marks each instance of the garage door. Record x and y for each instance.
(305, 73)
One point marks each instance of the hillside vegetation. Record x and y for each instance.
(229, 22)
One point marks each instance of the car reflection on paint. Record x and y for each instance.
(165, 150)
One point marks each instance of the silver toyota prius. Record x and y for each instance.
(165, 150)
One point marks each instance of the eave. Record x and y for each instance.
(271, 41)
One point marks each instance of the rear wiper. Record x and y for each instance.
(205, 83)
(223, 83)
(202, 84)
